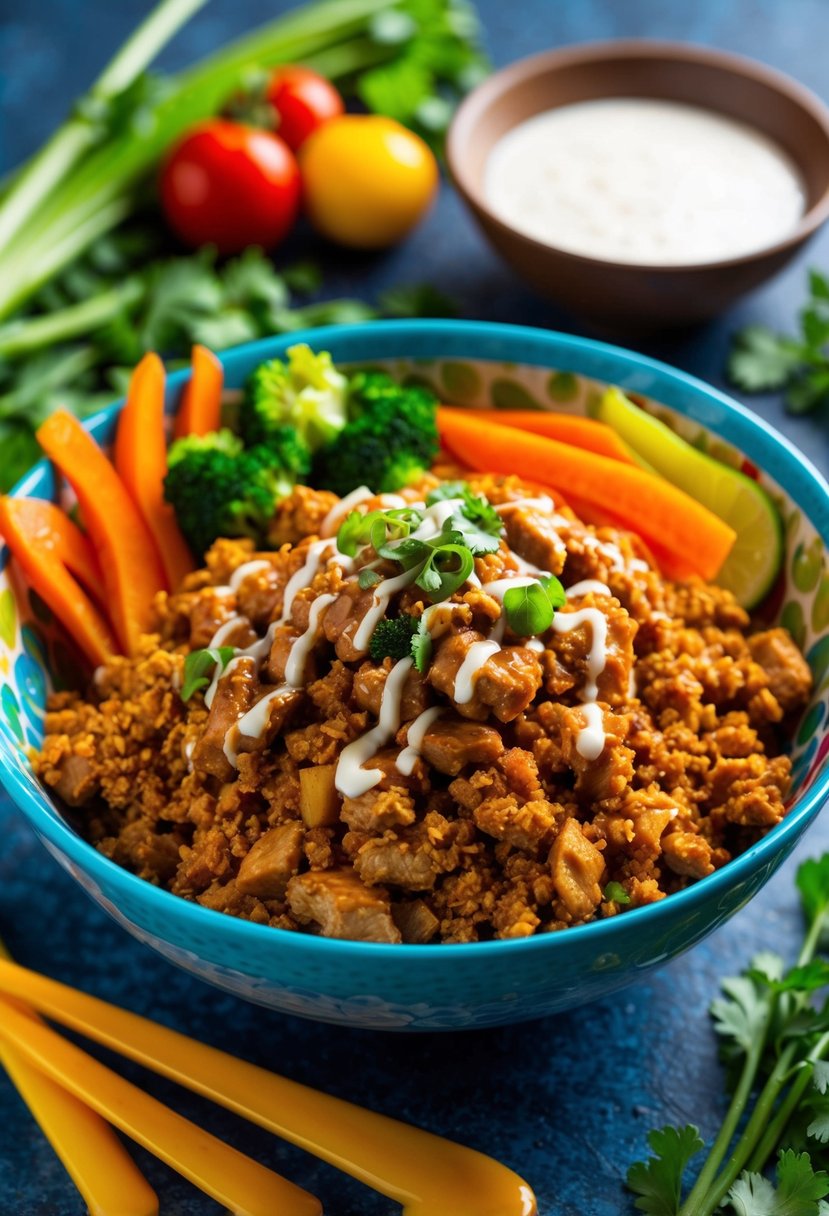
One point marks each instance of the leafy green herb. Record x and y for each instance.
(422, 647)
(763, 361)
(392, 638)
(775, 1040)
(377, 528)
(367, 578)
(476, 520)
(199, 667)
(530, 609)
(616, 893)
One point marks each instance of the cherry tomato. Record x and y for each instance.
(367, 180)
(230, 185)
(303, 101)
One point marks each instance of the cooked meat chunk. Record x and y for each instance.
(504, 684)
(272, 862)
(789, 675)
(533, 535)
(235, 695)
(449, 745)
(76, 781)
(342, 906)
(577, 866)
(396, 863)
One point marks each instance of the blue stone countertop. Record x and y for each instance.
(567, 1101)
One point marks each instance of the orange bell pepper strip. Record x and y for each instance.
(141, 461)
(200, 409)
(129, 560)
(670, 521)
(567, 428)
(47, 546)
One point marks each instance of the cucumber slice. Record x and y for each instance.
(753, 564)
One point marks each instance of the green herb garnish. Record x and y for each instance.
(763, 361)
(774, 1034)
(615, 893)
(530, 610)
(422, 647)
(199, 667)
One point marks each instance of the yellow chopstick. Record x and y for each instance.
(97, 1162)
(228, 1176)
(430, 1176)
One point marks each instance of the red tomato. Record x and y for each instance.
(303, 101)
(230, 185)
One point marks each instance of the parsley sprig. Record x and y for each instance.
(775, 1039)
(764, 361)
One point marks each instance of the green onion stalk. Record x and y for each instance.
(86, 180)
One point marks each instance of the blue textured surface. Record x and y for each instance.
(566, 1101)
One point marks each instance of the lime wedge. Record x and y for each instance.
(752, 565)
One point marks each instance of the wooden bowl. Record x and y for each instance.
(623, 295)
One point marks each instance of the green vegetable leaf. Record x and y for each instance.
(739, 1016)
(807, 978)
(615, 892)
(199, 667)
(813, 884)
(417, 300)
(658, 1181)
(761, 360)
(796, 1193)
(530, 609)
(367, 578)
(422, 647)
(446, 569)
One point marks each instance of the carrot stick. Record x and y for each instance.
(667, 519)
(141, 461)
(200, 410)
(46, 554)
(567, 428)
(131, 566)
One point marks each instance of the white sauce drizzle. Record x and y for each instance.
(591, 737)
(586, 586)
(382, 594)
(414, 740)
(351, 779)
(393, 502)
(536, 645)
(306, 574)
(227, 630)
(338, 512)
(476, 657)
(300, 649)
(435, 517)
(253, 724)
(241, 572)
(217, 675)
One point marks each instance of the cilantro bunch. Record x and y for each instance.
(774, 1032)
(762, 361)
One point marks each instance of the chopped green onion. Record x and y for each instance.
(615, 893)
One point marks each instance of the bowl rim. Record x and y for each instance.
(531, 347)
(548, 62)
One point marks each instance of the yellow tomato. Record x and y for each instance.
(367, 180)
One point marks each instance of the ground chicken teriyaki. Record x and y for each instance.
(495, 787)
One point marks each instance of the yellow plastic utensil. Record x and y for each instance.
(95, 1159)
(428, 1175)
(234, 1180)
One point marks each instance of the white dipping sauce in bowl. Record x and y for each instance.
(644, 181)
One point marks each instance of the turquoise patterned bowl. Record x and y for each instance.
(451, 987)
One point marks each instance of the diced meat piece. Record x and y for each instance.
(370, 681)
(572, 648)
(749, 792)
(379, 809)
(343, 619)
(530, 826)
(396, 862)
(606, 776)
(208, 613)
(789, 675)
(446, 663)
(276, 713)
(319, 802)
(650, 811)
(235, 695)
(208, 859)
(343, 906)
(272, 862)
(416, 922)
(687, 854)
(505, 684)
(450, 744)
(521, 771)
(259, 596)
(577, 865)
(300, 515)
(533, 535)
(78, 781)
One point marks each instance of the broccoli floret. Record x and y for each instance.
(392, 639)
(218, 488)
(307, 393)
(390, 443)
(290, 451)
